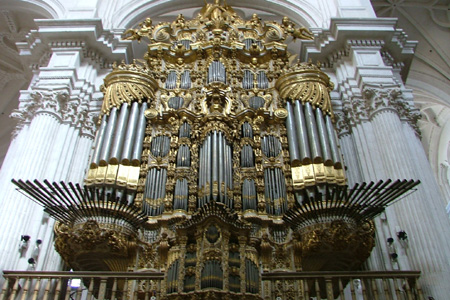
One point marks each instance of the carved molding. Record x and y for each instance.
(378, 99)
(58, 104)
(373, 101)
(93, 245)
(325, 246)
(343, 126)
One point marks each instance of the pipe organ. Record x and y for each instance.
(221, 159)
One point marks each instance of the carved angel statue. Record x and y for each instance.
(145, 30)
(217, 11)
(180, 22)
(296, 33)
(254, 22)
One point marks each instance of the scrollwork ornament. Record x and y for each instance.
(343, 125)
(56, 103)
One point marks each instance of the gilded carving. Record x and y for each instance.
(98, 242)
(210, 89)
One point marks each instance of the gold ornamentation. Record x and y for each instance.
(185, 58)
(307, 83)
(151, 113)
(94, 246)
(128, 83)
(312, 174)
(281, 113)
(337, 246)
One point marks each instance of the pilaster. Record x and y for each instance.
(57, 118)
(377, 127)
(382, 121)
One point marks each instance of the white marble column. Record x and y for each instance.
(52, 142)
(388, 147)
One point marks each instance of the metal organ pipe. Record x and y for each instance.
(202, 184)
(185, 130)
(140, 134)
(160, 145)
(130, 133)
(333, 143)
(185, 80)
(175, 102)
(323, 135)
(215, 169)
(312, 133)
(263, 83)
(183, 156)
(302, 134)
(119, 134)
(271, 146)
(247, 130)
(216, 72)
(208, 167)
(247, 159)
(220, 165)
(99, 141)
(275, 191)
(109, 135)
(247, 83)
(181, 195)
(249, 194)
(155, 188)
(248, 43)
(171, 82)
(256, 102)
(215, 164)
(292, 136)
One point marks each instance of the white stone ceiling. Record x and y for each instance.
(427, 21)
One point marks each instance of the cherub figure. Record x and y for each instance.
(254, 22)
(144, 31)
(296, 33)
(180, 22)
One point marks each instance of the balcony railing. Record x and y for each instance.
(81, 285)
(401, 285)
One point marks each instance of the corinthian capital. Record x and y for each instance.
(57, 104)
(378, 98)
(343, 122)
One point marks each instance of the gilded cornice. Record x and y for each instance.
(57, 104)
(127, 83)
(307, 83)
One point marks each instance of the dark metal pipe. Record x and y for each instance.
(99, 141)
(314, 142)
(140, 134)
(119, 134)
(109, 135)
(323, 135)
(292, 136)
(333, 143)
(302, 134)
(130, 133)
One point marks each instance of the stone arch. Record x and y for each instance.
(50, 9)
(301, 12)
(434, 126)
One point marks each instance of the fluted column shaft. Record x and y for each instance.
(386, 146)
(45, 147)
